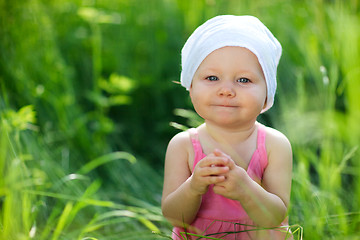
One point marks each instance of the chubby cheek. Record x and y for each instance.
(198, 103)
(197, 107)
(193, 96)
(259, 99)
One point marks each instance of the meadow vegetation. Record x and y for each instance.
(88, 103)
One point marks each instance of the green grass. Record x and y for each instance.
(41, 201)
(87, 98)
(319, 121)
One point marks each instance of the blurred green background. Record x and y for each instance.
(88, 104)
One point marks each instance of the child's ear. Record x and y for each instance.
(265, 104)
(190, 88)
(190, 92)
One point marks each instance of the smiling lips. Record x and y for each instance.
(225, 105)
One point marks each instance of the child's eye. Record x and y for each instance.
(212, 78)
(243, 80)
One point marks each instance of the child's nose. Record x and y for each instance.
(226, 91)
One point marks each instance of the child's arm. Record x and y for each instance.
(266, 204)
(183, 190)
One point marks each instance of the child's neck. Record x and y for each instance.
(229, 135)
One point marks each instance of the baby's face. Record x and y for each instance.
(229, 87)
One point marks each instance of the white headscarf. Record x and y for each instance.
(228, 30)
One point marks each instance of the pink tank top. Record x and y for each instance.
(218, 214)
(215, 206)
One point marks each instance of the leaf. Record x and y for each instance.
(149, 224)
(105, 159)
(117, 84)
(63, 220)
(22, 119)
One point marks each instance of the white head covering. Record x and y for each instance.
(228, 30)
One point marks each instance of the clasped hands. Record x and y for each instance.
(219, 169)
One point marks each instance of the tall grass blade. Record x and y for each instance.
(105, 159)
(62, 220)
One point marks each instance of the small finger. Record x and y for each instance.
(231, 164)
(216, 170)
(219, 153)
(215, 179)
(213, 161)
(227, 159)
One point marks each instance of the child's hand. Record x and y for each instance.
(234, 184)
(209, 170)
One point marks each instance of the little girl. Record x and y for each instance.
(231, 175)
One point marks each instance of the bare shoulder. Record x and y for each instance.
(276, 141)
(180, 144)
(181, 138)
